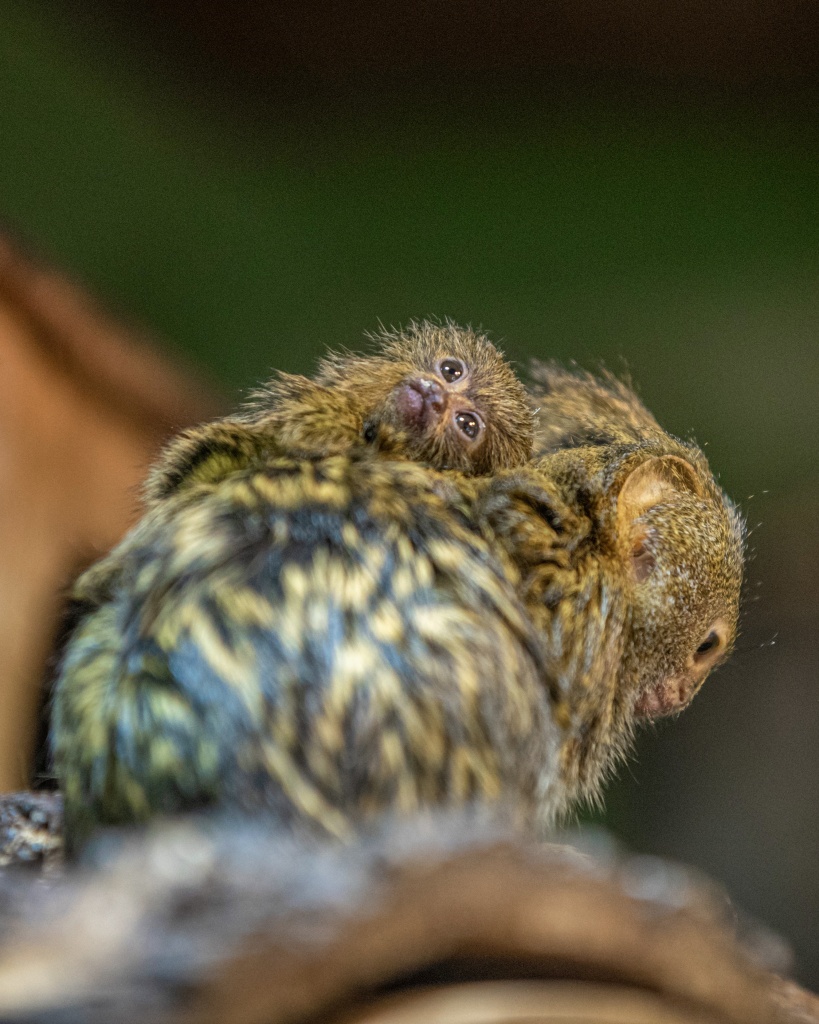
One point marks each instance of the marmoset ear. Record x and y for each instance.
(655, 482)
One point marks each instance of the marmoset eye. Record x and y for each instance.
(452, 370)
(709, 643)
(469, 424)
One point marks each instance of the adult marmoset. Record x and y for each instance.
(603, 415)
(321, 639)
(438, 394)
(331, 639)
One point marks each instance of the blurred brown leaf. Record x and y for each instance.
(84, 405)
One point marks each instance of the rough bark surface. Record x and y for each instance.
(438, 920)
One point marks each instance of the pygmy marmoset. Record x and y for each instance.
(437, 394)
(327, 639)
(433, 393)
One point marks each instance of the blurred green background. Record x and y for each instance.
(595, 209)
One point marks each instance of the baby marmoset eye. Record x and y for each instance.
(451, 370)
(469, 424)
(467, 421)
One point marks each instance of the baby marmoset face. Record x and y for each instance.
(438, 394)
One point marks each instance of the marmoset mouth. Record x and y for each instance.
(663, 699)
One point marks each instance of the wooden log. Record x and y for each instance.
(442, 919)
(31, 831)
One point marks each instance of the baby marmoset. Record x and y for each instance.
(332, 638)
(438, 394)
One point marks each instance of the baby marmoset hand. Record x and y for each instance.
(437, 394)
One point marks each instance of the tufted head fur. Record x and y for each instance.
(433, 393)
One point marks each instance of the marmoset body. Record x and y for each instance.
(324, 640)
(333, 638)
(436, 394)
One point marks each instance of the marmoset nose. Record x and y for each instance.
(432, 391)
(420, 401)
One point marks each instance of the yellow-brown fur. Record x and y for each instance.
(357, 402)
(330, 638)
(321, 640)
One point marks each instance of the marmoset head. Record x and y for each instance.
(682, 543)
(672, 543)
(576, 408)
(677, 536)
(631, 564)
(438, 394)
